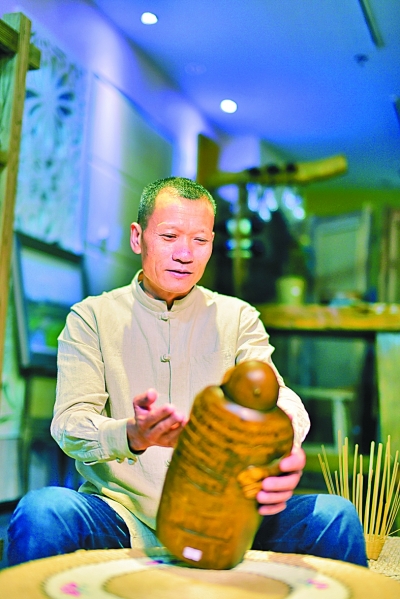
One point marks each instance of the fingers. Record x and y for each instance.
(166, 432)
(146, 431)
(271, 510)
(147, 418)
(170, 437)
(153, 425)
(271, 498)
(145, 400)
(276, 484)
(164, 423)
(277, 490)
(272, 503)
(294, 462)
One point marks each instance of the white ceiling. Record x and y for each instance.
(306, 74)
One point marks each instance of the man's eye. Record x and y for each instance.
(201, 239)
(168, 236)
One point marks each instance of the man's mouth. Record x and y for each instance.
(180, 273)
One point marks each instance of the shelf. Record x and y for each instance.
(314, 317)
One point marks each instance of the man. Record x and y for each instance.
(160, 341)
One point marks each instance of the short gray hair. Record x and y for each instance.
(179, 187)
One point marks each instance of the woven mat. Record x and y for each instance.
(388, 562)
(123, 573)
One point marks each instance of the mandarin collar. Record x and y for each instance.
(156, 305)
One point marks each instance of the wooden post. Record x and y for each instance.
(17, 55)
(388, 379)
(240, 257)
(207, 158)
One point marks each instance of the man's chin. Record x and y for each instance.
(181, 292)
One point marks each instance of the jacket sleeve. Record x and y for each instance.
(253, 343)
(81, 425)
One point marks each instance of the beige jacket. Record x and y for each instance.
(123, 342)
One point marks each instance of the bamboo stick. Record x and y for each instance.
(361, 491)
(376, 489)
(346, 468)
(359, 496)
(388, 472)
(388, 500)
(370, 474)
(396, 507)
(337, 483)
(325, 475)
(393, 512)
(355, 474)
(379, 510)
(340, 462)
(328, 469)
(386, 466)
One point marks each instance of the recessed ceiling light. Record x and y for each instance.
(228, 106)
(149, 18)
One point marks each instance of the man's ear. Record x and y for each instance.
(136, 238)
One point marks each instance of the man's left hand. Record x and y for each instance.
(276, 490)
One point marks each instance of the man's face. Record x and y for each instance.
(175, 246)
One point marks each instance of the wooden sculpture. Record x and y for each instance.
(235, 437)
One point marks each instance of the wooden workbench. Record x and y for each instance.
(377, 322)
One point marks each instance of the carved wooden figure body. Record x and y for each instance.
(235, 437)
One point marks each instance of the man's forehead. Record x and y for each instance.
(170, 195)
(169, 213)
(168, 199)
(167, 196)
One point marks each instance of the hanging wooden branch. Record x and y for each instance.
(271, 175)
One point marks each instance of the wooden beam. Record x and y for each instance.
(15, 76)
(300, 173)
(3, 158)
(9, 44)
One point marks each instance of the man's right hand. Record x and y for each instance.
(153, 426)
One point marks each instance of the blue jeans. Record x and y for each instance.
(55, 520)
(321, 525)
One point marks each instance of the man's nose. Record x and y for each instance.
(183, 253)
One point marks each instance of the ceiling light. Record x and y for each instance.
(228, 106)
(149, 18)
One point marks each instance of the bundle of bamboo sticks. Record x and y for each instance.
(378, 501)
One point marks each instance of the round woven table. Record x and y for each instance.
(130, 574)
